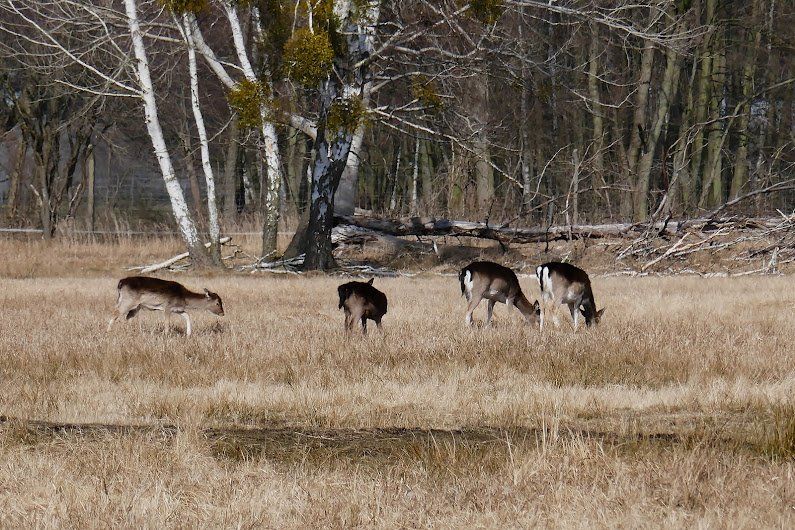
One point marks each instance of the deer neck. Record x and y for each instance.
(196, 301)
(524, 306)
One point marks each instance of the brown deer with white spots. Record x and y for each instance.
(565, 284)
(495, 283)
(361, 301)
(142, 292)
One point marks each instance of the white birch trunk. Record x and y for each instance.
(270, 142)
(186, 225)
(212, 206)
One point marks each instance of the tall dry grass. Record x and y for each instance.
(677, 411)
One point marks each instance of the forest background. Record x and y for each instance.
(203, 117)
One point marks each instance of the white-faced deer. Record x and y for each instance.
(563, 283)
(136, 292)
(361, 301)
(495, 283)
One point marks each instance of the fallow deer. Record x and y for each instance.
(361, 301)
(563, 283)
(136, 292)
(495, 283)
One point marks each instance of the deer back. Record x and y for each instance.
(362, 293)
(166, 295)
(485, 276)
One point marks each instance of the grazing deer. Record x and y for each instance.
(136, 292)
(563, 283)
(485, 279)
(361, 301)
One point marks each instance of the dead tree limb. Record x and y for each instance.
(145, 269)
(428, 226)
(780, 186)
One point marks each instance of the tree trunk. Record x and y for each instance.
(426, 175)
(573, 199)
(209, 177)
(680, 190)
(702, 101)
(393, 193)
(638, 125)
(455, 177)
(230, 171)
(596, 105)
(526, 149)
(328, 167)
(484, 172)
(47, 159)
(304, 168)
(712, 190)
(270, 141)
(333, 145)
(179, 207)
(14, 180)
(43, 199)
(249, 190)
(345, 200)
(740, 177)
(90, 175)
(271, 204)
(415, 173)
(193, 177)
(667, 93)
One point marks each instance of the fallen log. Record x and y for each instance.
(347, 235)
(426, 226)
(429, 226)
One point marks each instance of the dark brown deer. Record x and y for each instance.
(361, 301)
(137, 292)
(495, 283)
(563, 283)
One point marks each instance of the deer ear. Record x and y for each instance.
(600, 313)
(371, 281)
(536, 306)
(206, 292)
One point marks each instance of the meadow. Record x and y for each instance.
(677, 411)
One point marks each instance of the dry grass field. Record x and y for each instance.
(677, 411)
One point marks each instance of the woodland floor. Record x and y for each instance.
(678, 411)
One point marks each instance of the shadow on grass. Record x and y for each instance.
(293, 445)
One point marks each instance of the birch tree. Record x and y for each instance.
(212, 207)
(186, 225)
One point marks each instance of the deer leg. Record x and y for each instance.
(348, 321)
(490, 312)
(555, 309)
(167, 320)
(378, 324)
(364, 325)
(117, 313)
(575, 314)
(544, 310)
(473, 303)
(187, 323)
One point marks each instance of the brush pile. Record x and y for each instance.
(763, 244)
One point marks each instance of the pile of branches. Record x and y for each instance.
(764, 243)
(182, 262)
(768, 242)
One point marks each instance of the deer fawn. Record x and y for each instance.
(484, 279)
(361, 301)
(136, 292)
(563, 283)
